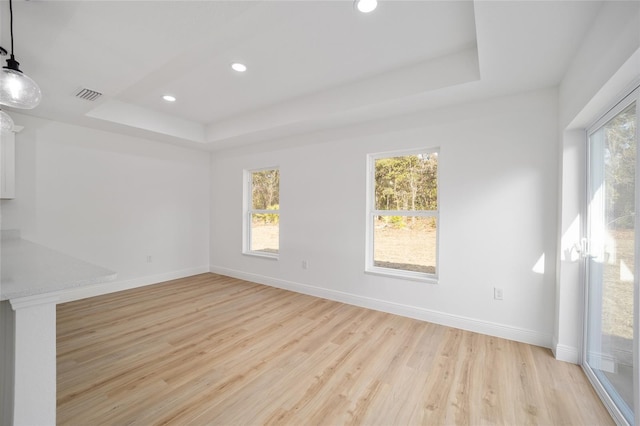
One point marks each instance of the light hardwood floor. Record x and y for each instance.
(216, 350)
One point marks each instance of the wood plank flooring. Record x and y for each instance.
(211, 349)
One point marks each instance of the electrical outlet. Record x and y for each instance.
(305, 264)
(149, 259)
(498, 293)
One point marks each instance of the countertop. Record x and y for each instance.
(29, 269)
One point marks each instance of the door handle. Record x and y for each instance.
(584, 249)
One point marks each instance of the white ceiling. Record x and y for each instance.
(312, 65)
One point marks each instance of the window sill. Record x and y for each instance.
(263, 255)
(403, 275)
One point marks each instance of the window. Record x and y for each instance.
(262, 212)
(402, 220)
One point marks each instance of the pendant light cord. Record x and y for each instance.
(11, 24)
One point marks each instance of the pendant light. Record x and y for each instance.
(366, 6)
(6, 122)
(17, 90)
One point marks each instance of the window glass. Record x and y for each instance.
(403, 214)
(262, 228)
(407, 243)
(407, 182)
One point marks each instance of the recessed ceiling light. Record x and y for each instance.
(237, 66)
(366, 6)
(169, 98)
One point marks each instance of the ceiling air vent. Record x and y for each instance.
(88, 94)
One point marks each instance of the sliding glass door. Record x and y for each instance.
(611, 343)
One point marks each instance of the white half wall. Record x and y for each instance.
(135, 206)
(569, 293)
(498, 199)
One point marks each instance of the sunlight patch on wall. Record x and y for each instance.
(538, 268)
(570, 243)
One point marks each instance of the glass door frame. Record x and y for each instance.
(631, 96)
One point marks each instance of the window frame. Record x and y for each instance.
(370, 267)
(249, 211)
(628, 97)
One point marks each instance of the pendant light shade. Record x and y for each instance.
(17, 90)
(6, 122)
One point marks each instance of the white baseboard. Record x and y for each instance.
(114, 286)
(465, 323)
(565, 353)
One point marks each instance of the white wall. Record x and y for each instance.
(611, 40)
(498, 198)
(605, 66)
(111, 200)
